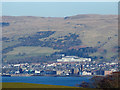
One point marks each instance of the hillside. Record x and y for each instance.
(97, 35)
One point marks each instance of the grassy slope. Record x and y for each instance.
(29, 51)
(30, 85)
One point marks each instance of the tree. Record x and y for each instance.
(104, 82)
(107, 82)
(84, 84)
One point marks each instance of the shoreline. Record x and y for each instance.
(20, 75)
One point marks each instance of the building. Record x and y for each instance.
(73, 59)
(86, 73)
(59, 72)
(99, 72)
(108, 72)
(81, 70)
(72, 71)
(20, 70)
(76, 71)
(37, 72)
(48, 72)
(17, 72)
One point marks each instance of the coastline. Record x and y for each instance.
(17, 75)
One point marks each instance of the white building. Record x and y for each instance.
(73, 59)
(86, 73)
(16, 65)
(37, 71)
(17, 72)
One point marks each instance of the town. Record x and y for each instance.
(66, 66)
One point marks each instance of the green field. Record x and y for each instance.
(29, 51)
(30, 85)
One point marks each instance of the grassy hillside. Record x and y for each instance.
(99, 31)
(27, 51)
